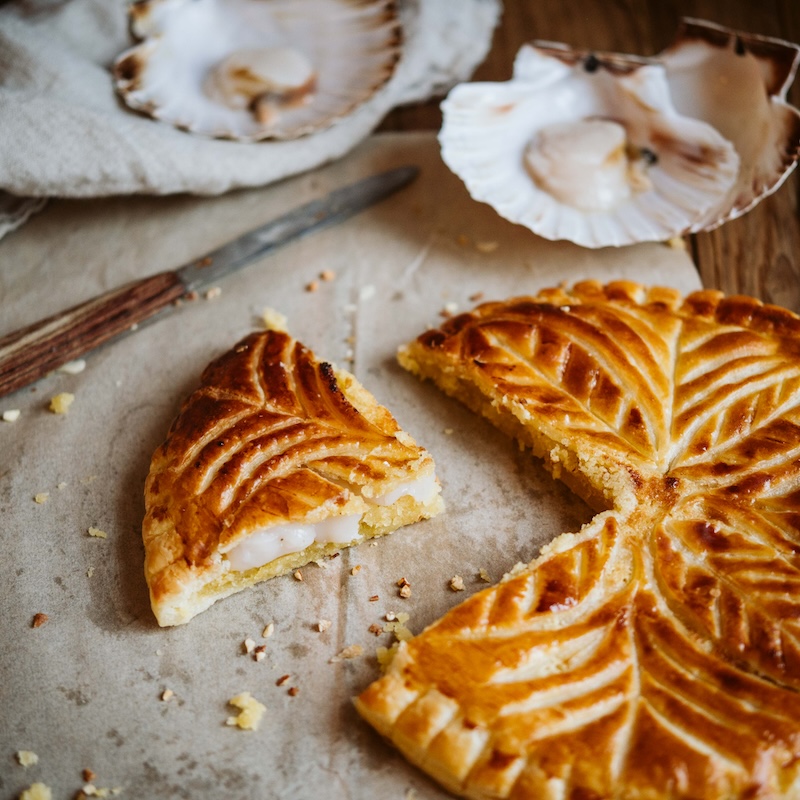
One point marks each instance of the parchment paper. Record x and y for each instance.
(84, 690)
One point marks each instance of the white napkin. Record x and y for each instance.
(64, 132)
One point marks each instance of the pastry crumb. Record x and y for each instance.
(282, 680)
(327, 275)
(260, 653)
(484, 575)
(61, 486)
(397, 626)
(90, 572)
(60, 403)
(73, 367)
(90, 790)
(37, 791)
(269, 629)
(11, 415)
(312, 286)
(457, 583)
(298, 576)
(448, 431)
(405, 591)
(473, 298)
(27, 758)
(38, 620)
(356, 569)
(166, 696)
(41, 498)
(250, 713)
(676, 243)
(213, 292)
(323, 625)
(486, 247)
(375, 629)
(349, 652)
(273, 320)
(293, 691)
(374, 598)
(97, 533)
(248, 645)
(88, 775)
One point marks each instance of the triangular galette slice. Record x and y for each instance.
(276, 460)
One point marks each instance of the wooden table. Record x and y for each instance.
(757, 254)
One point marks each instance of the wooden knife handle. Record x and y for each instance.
(30, 353)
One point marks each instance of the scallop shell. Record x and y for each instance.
(738, 82)
(656, 179)
(256, 69)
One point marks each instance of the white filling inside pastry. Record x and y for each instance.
(261, 547)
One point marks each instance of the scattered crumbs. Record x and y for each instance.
(250, 712)
(73, 367)
(473, 298)
(273, 320)
(385, 655)
(61, 486)
(269, 629)
(374, 598)
(486, 247)
(191, 296)
(41, 498)
(457, 583)
(351, 651)
(159, 652)
(367, 292)
(398, 627)
(484, 575)
(88, 775)
(282, 680)
(166, 696)
(463, 239)
(448, 431)
(37, 791)
(293, 691)
(323, 625)
(214, 291)
(373, 544)
(11, 415)
(38, 620)
(405, 588)
(312, 286)
(327, 275)
(97, 533)
(61, 402)
(90, 790)
(90, 572)
(27, 758)
(298, 576)
(248, 645)
(260, 653)
(390, 616)
(451, 307)
(375, 629)
(356, 569)
(677, 243)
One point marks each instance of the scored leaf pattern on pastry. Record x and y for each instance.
(655, 654)
(271, 436)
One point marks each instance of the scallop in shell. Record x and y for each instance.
(256, 69)
(738, 82)
(586, 147)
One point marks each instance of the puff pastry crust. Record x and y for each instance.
(655, 653)
(271, 436)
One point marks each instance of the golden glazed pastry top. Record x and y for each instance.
(271, 436)
(656, 653)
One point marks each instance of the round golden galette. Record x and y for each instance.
(276, 460)
(655, 653)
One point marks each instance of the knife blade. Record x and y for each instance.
(32, 352)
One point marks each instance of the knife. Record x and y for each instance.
(33, 351)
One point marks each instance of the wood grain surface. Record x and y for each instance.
(757, 254)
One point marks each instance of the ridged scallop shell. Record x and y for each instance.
(181, 72)
(677, 168)
(738, 82)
